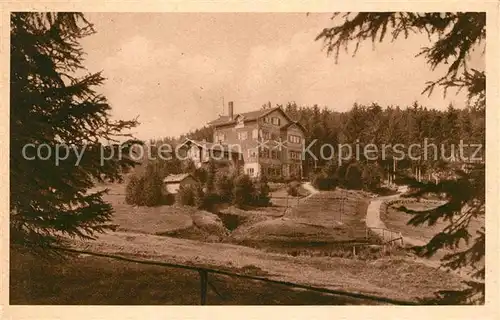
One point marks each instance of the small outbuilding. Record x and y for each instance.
(173, 182)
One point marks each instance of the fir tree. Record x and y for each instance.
(52, 102)
(457, 35)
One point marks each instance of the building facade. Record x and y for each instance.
(202, 152)
(266, 141)
(174, 182)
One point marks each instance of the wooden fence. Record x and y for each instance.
(204, 273)
(393, 236)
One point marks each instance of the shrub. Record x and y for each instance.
(186, 195)
(153, 188)
(133, 190)
(200, 174)
(209, 201)
(292, 191)
(330, 169)
(168, 198)
(353, 177)
(224, 187)
(210, 178)
(293, 188)
(199, 195)
(340, 174)
(371, 176)
(188, 166)
(244, 192)
(145, 190)
(323, 182)
(262, 193)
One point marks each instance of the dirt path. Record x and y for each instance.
(373, 220)
(376, 224)
(309, 187)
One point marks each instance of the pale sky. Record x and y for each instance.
(173, 69)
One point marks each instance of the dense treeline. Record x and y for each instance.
(374, 124)
(390, 126)
(365, 124)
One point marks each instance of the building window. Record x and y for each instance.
(250, 171)
(273, 171)
(276, 121)
(266, 135)
(255, 134)
(294, 139)
(274, 154)
(252, 153)
(266, 119)
(295, 155)
(264, 152)
(242, 135)
(219, 137)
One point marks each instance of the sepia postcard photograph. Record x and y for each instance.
(247, 158)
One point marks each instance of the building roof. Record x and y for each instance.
(293, 123)
(247, 116)
(212, 146)
(172, 178)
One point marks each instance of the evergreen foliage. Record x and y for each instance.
(146, 188)
(244, 191)
(53, 101)
(454, 36)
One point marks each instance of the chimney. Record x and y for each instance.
(230, 110)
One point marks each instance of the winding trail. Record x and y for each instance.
(373, 220)
(375, 223)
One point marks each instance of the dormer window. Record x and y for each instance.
(240, 121)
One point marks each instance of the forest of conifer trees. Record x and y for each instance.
(390, 125)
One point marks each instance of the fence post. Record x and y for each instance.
(203, 286)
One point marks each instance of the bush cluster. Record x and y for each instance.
(349, 175)
(239, 190)
(146, 188)
(293, 188)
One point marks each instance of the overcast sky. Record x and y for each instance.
(173, 69)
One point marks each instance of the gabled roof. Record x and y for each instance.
(177, 177)
(293, 123)
(247, 116)
(210, 145)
